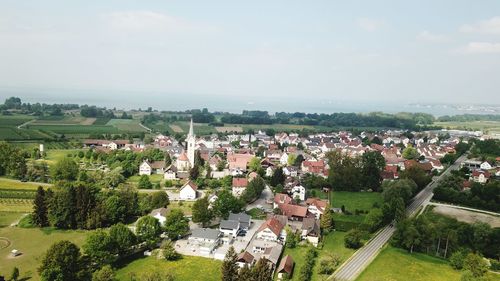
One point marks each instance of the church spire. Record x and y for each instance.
(191, 128)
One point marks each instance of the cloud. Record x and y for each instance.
(480, 48)
(431, 37)
(370, 24)
(138, 21)
(489, 26)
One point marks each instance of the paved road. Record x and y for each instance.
(364, 256)
(265, 196)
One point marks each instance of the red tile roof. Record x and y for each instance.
(240, 182)
(293, 210)
(273, 224)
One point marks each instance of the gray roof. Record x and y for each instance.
(229, 224)
(205, 233)
(243, 218)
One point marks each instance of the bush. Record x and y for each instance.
(26, 222)
(306, 270)
(353, 239)
(457, 260)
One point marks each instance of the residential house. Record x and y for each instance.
(291, 171)
(314, 167)
(238, 161)
(229, 227)
(480, 176)
(284, 159)
(239, 186)
(160, 214)
(245, 258)
(271, 230)
(244, 220)
(311, 230)
(188, 191)
(170, 173)
(285, 268)
(205, 239)
(293, 212)
(316, 206)
(485, 166)
(281, 198)
(299, 192)
(155, 167)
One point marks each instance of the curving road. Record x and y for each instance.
(364, 256)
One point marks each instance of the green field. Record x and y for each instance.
(399, 265)
(332, 243)
(355, 200)
(64, 120)
(33, 243)
(491, 127)
(54, 155)
(128, 125)
(7, 218)
(154, 179)
(6, 183)
(185, 269)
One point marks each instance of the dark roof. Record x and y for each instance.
(286, 265)
(229, 224)
(205, 233)
(243, 218)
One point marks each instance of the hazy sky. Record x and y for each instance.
(250, 51)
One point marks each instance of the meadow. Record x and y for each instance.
(333, 243)
(187, 268)
(32, 243)
(491, 127)
(353, 201)
(399, 265)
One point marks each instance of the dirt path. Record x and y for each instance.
(467, 215)
(26, 123)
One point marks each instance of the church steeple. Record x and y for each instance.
(191, 131)
(191, 143)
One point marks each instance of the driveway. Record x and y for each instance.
(263, 202)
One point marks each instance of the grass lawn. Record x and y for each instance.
(126, 125)
(33, 243)
(185, 207)
(355, 200)
(54, 155)
(397, 264)
(185, 269)
(6, 218)
(256, 214)
(333, 243)
(154, 179)
(6, 183)
(485, 126)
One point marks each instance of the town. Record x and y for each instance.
(281, 205)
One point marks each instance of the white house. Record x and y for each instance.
(290, 171)
(188, 191)
(145, 168)
(299, 191)
(485, 166)
(316, 206)
(284, 159)
(271, 230)
(205, 239)
(229, 227)
(160, 214)
(239, 186)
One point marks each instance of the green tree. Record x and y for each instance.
(106, 273)
(254, 164)
(372, 163)
(475, 264)
(115, 210)
(226, 203)
(292, 238)
(278, 177)
(245, 273)
(261, 271)
(410, 153)
(194, 172)
(40, 209)
(201, 213)
(326, 221)
(65, 169)
(148, 230)
(159, 199)
(374, 219)
(168, 250)
(229, 266)
(113, 178)
(176, 224)
(291, 159)
(122, 237)
(353, 239)
(63, 262)
(144, 182)
(100, 248)
(457, 259)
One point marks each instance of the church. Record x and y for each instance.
(186, 159)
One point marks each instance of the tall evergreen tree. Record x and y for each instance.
(245, 273)
(40, 208)
(262, 271)
(229, 266)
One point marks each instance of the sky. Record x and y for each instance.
(282, 54)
